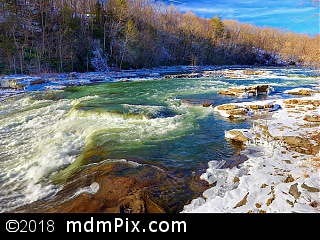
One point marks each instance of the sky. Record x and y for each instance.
(299, 16)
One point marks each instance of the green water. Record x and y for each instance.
(149, 122)
(46, 135)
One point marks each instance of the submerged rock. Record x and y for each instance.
(198, 102)
(115, 186)
(108, 194)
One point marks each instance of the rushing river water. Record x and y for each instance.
(158, 122)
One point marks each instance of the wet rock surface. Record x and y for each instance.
(118, 187)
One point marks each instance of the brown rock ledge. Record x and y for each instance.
(117, 187)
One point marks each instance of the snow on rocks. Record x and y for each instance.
(282, 173)
(242, 110)
(248, 91)
(301, 91)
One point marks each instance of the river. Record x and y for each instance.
(158, 122)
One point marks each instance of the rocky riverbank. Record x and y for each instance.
(283, 167)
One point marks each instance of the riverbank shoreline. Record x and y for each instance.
(12, 85)
(282, 173)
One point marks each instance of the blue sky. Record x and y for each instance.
(299, 16)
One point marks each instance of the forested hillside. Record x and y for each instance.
(38, 36)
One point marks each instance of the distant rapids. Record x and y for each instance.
(45, 135)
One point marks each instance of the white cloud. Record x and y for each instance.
(273, 13)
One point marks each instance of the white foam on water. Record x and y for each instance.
(45, 138)
(35, 143)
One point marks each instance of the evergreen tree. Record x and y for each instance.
(217, 26)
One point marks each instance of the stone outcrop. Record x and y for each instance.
(105, 188)
(248, 91)
(301, 145)
(240, 111)
(238, 136)
(113, 194)
(296, 102)
(301, 91)
(11, 84)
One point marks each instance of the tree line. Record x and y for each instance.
(39, 36)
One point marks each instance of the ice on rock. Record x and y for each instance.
(216, 164)
(213, 173)
(94, 187)
(195, 203)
